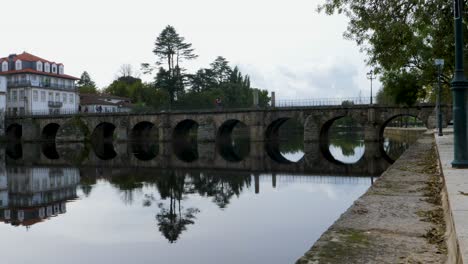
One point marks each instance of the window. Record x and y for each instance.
(57, 97)
(47, 67)
(5, 66)
(71, 98)
(39, 66)
(35, 95)
(8, 96)
(54, 68)
(15, 95)
(43, 96)
(19, 65)
(21, 95)
(61, 70)
(51, 96)
(64, 97)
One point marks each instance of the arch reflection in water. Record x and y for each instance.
(14, 132)
(185, 140)
(145, 151)
(233, 141)
(49, 149)
(285, 141)
(343, 141)
(32, 195)
(104, 150)
(399, 133)
(14, 150)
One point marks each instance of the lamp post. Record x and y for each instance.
(371, 76)
(459, 92)
(439, 63)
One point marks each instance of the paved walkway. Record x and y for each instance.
(457, 188)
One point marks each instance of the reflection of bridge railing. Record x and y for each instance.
(291, 178)
(323, 102)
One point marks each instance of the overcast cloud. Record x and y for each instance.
(285, 46)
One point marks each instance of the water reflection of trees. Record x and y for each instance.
(222, 187)
(173, 187)
(347, 141)
(394, 148)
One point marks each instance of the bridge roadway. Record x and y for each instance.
(263, 124)
(203, 156)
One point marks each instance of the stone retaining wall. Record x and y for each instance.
(400, 219)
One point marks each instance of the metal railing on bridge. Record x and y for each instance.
(323, 102)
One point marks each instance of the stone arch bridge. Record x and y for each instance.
(263, 124)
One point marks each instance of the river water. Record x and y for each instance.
(166, 203)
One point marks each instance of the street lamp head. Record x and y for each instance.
(370, 75)
(439, 62)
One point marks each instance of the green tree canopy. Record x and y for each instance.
(86, 84)
(401, 36)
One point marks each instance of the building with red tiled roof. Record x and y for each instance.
(37, 85)
(104, 103)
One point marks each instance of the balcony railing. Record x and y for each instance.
(55, 104)
(40, 85)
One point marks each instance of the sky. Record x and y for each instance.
(284, 46)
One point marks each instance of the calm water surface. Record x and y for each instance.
(235, 206)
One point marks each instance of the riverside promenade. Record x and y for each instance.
(456, 182)
(403, 218)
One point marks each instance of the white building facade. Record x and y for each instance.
(3, 90)
(37, 86)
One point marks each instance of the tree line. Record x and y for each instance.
(173, 87)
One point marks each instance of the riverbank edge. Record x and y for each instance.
(456, 188)
(403, 218)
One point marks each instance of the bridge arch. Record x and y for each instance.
(14, 131)
(103, 132)
(144, 130)
(285, 150)
(421, 119)
(185, 129)
(233, 149)
(49, 132)
(340, 138)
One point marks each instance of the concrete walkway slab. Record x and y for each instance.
(456, 181)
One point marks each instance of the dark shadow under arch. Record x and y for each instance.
(186, 151)
(144, 131)
(274, 139)
(272, 131)
(184, 139)
(103, 132)
(14, 132)
(385, 124)
(49, 150)
(14, 150)
(145, 151)
(104, 150)
(325, 141)
(185, 129)
(49, 132)
(232, 149)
